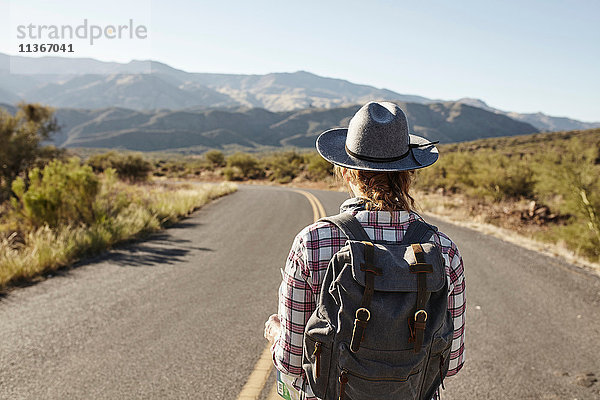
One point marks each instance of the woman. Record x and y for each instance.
(376, 157)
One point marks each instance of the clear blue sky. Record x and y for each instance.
(524, 56)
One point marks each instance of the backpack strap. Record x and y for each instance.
(349, 225)
(363, 315)
(421, 269)
(417, 232)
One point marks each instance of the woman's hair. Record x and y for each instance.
(387, 191)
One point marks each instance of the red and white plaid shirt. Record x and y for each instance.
(305, 269)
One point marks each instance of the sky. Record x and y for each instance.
(524, 56)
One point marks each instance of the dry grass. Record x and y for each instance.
(497, 220)
(142, 209)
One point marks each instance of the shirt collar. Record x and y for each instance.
(357, 205)
(354, 203)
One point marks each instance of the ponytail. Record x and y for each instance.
(387, 191)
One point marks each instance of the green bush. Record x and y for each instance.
(133, 168)
(283, 167)
(62, 193)
(453, 172)
(248, 165)
(171, 168)
(500, 178)
(129, 167)
(569, 181)
(485, 175)
(232, 173)
(215, 157)
(317, 167)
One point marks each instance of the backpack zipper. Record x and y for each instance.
(317, 355)
(367, 378)
(343, 380)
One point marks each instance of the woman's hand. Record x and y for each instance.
(272, 328)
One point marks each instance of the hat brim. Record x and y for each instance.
(331, 145)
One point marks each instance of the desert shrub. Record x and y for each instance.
(215, 157)
(248, 166)
(133, 168)
(100, 162)
(498, 177)
(130, 167)
(453, 172)
(317, 167)
(283, 167)
(485, 175)
(569, 179)
(113, 196)
(195, 166)
(559, 170)
(232, 173)
(61, 193)
(170, 168)
(20, 136)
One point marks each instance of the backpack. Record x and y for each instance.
(381, 328)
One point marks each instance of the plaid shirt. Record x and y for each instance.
(305, 269)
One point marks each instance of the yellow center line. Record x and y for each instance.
(258, 377)
(314, 203)
(318, 204)
(262, 369)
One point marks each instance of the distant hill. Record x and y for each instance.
(521, 145)
(255, 129)
(139, 91)
(543, 122)
(145, 85)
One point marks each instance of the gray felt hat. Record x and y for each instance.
(377, 139)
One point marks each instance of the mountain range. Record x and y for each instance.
(257, 129)
(150, 86)
(143, 85)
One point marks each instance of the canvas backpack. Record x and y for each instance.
(381, 329)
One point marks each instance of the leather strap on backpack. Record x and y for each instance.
(417, 232)
(363, 314)
(421, 269)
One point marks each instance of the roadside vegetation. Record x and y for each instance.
(545, 186)
(281, 167)
(56, 209)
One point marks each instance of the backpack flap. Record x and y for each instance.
(394, 260)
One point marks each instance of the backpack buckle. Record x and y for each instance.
(419, 313)
(364, 311)
(419, 331)
(363, 316)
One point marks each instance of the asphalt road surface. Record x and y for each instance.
(181, 315)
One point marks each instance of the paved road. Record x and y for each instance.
(181, 315)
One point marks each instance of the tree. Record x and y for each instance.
(215, 157)
(20, 138)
